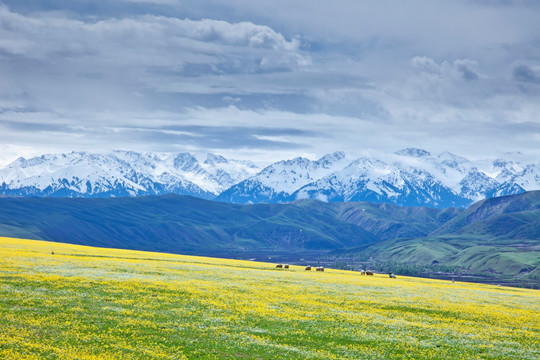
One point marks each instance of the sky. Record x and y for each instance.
(269, 79)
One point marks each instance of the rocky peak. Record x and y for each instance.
(213, 159)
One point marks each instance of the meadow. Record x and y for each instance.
(60, 301)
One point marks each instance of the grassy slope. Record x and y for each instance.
(496, 239)
(177, 224)
(185, 224)
(388, 221)
(511, 216)
(481, 258)
(92, 303)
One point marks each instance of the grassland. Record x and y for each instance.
(495, 241)
(507, 262)
(94, 303)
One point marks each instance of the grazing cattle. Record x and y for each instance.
(369, 273)
(308, 268)
(279, 266)
(363, 273)
(391, 275)
(286, 266)
(319, 268)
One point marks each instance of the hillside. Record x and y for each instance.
(181, 224)
(513, 216)
(388, 221)
(496, 240)
(76, 302)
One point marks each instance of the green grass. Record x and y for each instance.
(92, 303)
(508, 261)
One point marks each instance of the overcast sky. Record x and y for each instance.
(269, 79)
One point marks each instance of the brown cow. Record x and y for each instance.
(308, 268)
(391, 275)
(319, 268)
(363, 273)
(286, 266)
(279, 266)
(369, 273)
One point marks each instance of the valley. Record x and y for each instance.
(494, 241)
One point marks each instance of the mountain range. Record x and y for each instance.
(409, 177)
(497, 239)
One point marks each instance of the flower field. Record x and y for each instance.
(61, 301)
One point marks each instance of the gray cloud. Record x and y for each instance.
(165, 74)
(35, 127)
(459, 68)
(524, 73)
(222, 137)
(243, 139)
(466, 68)
(148, 39)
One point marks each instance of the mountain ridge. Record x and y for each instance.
(408, 177)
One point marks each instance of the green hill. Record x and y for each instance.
(514, 216)
(180, 224)
(388, 221)
(509, 262)
(494, 240)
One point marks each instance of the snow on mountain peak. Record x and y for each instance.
(121, 173)
(289, 175)
(186, 162)
(408, 177)
(451, 160)
(215, 159)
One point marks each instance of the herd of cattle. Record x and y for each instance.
(321, 268)
(286, 266)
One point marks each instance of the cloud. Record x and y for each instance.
(467, 68)
(448, 83)
(464, 69)
(523, 73)
(426, 65)
(35, 127)
(149, 39)
(64, 63)
(210, 75)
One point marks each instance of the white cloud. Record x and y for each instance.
(425, 64)
(337, 75)
(459, 69)
(147, 40)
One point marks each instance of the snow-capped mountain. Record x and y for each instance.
(415, 177)
(122, 173)
(277, 182)
(408, 177)
(376, 181)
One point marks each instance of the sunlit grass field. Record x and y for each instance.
(94, 303)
